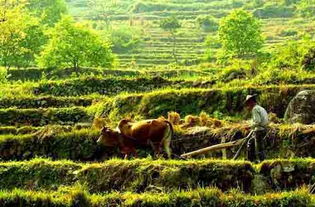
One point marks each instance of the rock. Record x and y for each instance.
(235, 75)
(301, 108)
(260, 185)
(198, 131)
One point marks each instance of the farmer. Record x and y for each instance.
(259, 124)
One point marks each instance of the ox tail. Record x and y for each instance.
(167, 139)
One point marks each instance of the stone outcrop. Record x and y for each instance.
(302, 108)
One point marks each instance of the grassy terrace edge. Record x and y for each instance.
(73, 197)
(226, 101)
(78, 143)
(142, 175)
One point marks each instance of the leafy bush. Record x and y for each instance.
(306, 8)
(207, 23)
(3, 75)
(274, 10)
(125, 38)
(288, 32)
(293, 55)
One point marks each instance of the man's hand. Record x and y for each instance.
(247, 128)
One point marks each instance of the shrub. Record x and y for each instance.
(294, 55)
(125, 38)
(274, 10)
(3, 75)
(207, 23)
(288, 32)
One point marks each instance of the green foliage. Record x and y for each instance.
(41, 117)
(44, 102)
(240, 34)
(170, 24)
(21, 38)
(289, 32)
(75, 45)
(306, 8)
(3, 75)
(294, 55)
(49, 11)
(105, 86)
(77, 196)
(207, 23)
(101, 10)
(125, 38)
(274, 10)
(308, 61)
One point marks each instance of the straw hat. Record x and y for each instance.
(250, 97)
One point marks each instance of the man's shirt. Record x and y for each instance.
(259, 118)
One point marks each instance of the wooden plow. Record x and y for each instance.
(222, 146)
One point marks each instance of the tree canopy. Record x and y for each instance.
(49, 11)
(75, 45)
(21, 36)
(240, 34)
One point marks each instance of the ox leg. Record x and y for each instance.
(167, 148)
(134, 153)
(156, 149)
(167, 144)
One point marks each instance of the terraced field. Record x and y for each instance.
(53, 120)
(156, 47)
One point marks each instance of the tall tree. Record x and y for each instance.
(75, 45)
(49, 11)
(240, 34)
(101, 10)
(20, 36)
(172, 25)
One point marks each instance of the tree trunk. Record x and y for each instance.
(174, 48)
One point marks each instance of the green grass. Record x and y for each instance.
(145, 175)
(77, 196)
(79, 142)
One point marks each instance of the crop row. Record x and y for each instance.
(38, 74)
(219, 102)
(43, 116)
(76, 196)
(224, 101)
(44, 102)
(163, 175)
(105, 86)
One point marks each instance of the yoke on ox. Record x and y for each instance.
(157, 133)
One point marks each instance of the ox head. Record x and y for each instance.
(108, 138)
(124, 126)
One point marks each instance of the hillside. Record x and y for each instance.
(52, 116)
(280, 23)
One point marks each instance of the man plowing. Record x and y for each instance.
(259, 124)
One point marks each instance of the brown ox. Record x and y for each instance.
(157, 133)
